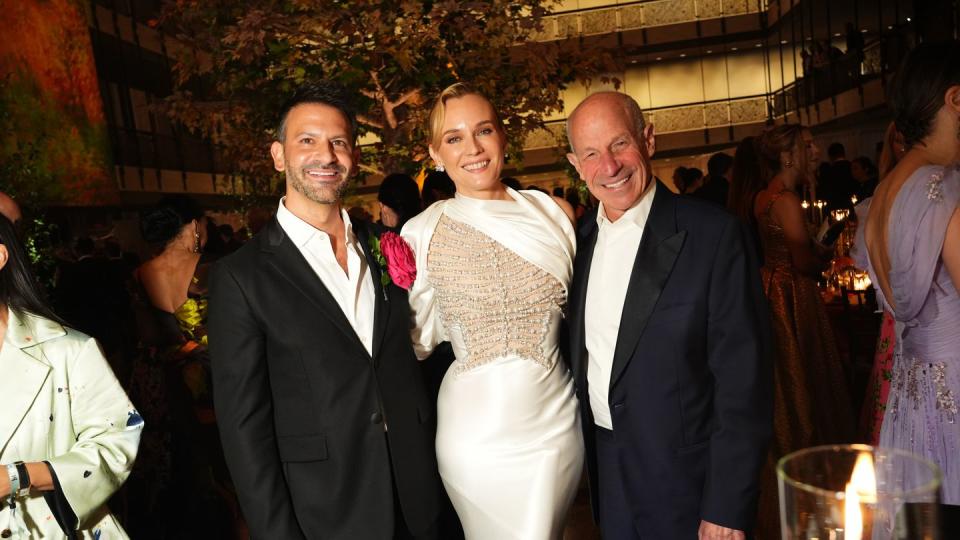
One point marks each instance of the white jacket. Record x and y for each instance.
(60, 402)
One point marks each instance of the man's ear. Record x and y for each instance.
(952, 98)
(572, 158)
(276, 150)
(649, 140)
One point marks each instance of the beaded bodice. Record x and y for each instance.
(500, 303)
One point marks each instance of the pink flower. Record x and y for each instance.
(401, 264)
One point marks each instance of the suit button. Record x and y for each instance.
(376, 418)
(6, 533)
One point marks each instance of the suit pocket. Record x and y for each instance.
(302, 448)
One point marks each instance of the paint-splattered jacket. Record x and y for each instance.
(61, 403)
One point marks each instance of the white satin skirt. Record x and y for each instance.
(510, 449)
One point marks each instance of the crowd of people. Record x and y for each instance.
(675, 345)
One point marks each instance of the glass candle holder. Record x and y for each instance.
(858, 492)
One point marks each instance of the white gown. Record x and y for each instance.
(492, 278)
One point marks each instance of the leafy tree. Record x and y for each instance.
(243, 61)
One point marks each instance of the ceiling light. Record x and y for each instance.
(890, 27)
(864, 31)
(683, 55)
(759, 45)
(733, 48)
(709, 52)
(783, 42)
(659, 58)
(908, 19)
(837, 34)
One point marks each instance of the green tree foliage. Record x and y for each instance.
(245, 58)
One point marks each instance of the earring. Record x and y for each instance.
(196, 242)
(787, 164)
(439, 167)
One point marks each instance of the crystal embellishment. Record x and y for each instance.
(934, 188)
(500, 303)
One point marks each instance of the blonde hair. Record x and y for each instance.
(439, 111)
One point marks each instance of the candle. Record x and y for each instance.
(862, 488)
(854, 199)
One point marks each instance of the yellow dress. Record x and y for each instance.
(812, 404)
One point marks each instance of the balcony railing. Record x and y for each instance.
(645, 14)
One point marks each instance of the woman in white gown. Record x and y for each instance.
(493, 270)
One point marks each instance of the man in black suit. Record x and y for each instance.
(670, 343)
(326, 425)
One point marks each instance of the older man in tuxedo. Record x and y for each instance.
(670, 343)
(326, 424)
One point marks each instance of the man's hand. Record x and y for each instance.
(712, 531)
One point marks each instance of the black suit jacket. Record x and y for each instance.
(690, 390)
(301, 405)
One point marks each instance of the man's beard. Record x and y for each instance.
(320, 193)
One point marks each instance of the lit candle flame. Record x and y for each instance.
(861, 488)
(805, 205)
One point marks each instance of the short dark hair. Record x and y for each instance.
(719, 164)
(836, 150)
(400, 192)
(162, 223)
(916, 94)
(324, 92)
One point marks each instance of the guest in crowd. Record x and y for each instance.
(572, 196)
(229, 238)
(511, 183)
(865, 173)
(745, 184)
(508, 442)
(91, 295)
(835, 183)
(812, 402)
(181, 469)
(437, 187)
(679, 179)
(671, 356)
(326, 425)
(716, 186)
(909, 241)
(878, 385)
(399, 199)
(692, 180)
(68, 432)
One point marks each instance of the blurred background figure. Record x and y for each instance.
(812, 403)
(399, 199)
(878, 384)
(835, 183)
(90, 431)
(865, 173)
(716, 186)
(181, 471)
(909, 241)
(511, 183)
(437, 187)
(678, 178)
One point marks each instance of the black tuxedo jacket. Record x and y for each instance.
(301, 405)
(691, 384)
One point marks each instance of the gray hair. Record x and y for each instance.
(630, 107)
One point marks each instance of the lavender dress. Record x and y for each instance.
(922, 412)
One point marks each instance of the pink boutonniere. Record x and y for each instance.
(396, 260)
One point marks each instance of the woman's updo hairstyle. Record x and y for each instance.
(916, 94)
(773, 142)
(162, 223)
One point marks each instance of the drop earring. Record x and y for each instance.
(196, 241)
(787, 164)
(439, 167)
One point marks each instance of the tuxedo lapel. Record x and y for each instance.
(659, 247)
(382, 305)
(287, 260)
(581, 277)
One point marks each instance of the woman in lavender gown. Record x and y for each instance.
(909, 241)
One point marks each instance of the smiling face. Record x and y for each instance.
(608, 153)
(317, 154)
(470, 146)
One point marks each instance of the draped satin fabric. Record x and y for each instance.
(508, 444)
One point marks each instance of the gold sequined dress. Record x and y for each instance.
(493, 279)
(812, 404)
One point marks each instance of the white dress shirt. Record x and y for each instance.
(610, 269)
(354, 290)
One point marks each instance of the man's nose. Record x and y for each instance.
(609, 164)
